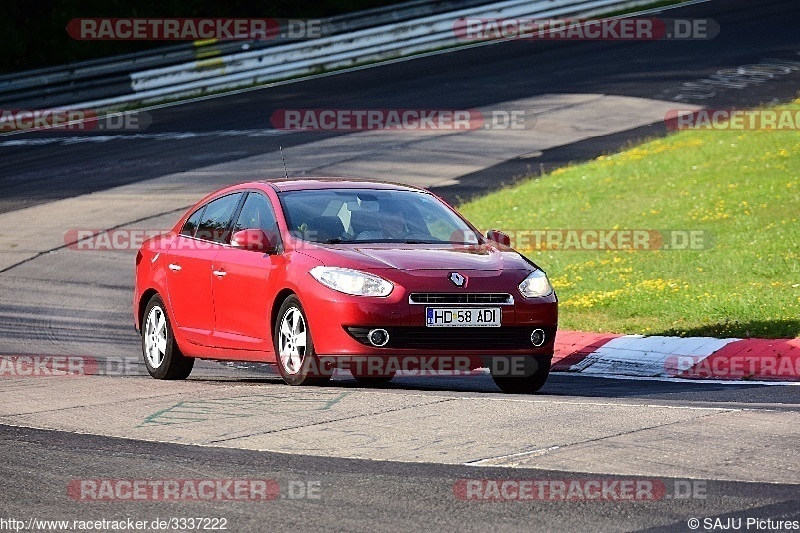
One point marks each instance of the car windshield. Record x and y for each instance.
(373, 216)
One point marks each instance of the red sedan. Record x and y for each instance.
(314, 275)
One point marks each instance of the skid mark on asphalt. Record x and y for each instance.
(239, 407)
(330, 421)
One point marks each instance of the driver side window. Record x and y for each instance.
(257, 213)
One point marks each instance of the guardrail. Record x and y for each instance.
(349, 40)
(107, 77)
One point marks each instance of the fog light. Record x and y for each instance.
(537, 337)
(378, 337)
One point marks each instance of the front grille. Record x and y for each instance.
(461, 298)
(486, 339)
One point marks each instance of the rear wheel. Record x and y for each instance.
(525, 378)
(162, 357)
(297, 361)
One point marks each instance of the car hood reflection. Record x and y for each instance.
(426, 257)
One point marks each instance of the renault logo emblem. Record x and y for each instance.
(458, 279)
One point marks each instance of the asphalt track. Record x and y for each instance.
(466, 79)
(59, 301)
(355, 495)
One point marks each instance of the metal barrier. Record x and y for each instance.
(107, 77)
(185, 70)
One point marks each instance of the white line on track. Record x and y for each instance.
(490, 461)
(167, 136)
(680, 380)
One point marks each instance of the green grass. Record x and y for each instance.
(743, 187)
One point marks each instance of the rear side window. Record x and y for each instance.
(190, 226)
(216, 219)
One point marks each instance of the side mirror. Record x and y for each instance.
(254, 240)
(499, 237)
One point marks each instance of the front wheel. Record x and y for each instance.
(162, 357)
(297, 361)
(515, 376)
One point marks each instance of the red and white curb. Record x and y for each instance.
(609, 354)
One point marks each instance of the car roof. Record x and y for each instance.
(305, 184)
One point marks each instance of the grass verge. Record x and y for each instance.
(741, 188)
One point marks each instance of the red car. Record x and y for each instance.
(319, 274)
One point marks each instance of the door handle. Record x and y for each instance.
(174, 267)
(220, 273)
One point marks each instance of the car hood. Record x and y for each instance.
(419, 257)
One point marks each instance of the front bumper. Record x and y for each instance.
(339, 323)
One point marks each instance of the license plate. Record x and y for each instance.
(459, 317)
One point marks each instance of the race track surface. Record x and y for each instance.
(384, 458)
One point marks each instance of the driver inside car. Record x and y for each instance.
(391, 225)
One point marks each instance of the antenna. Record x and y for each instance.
(286, 172)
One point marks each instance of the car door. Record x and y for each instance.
(190, 262)
(243, 283)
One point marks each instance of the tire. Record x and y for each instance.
(294, 347)
(373, 381)
(162, 357)
(535, 375)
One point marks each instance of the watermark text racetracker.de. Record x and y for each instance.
(408, 120)
(609, 239)
(84, 239)
(183, 490)
(193, 29)
(579, 489)
(733, 119)
(576, 29)
(737, 366)
(42, 366)
(71, 120)
(97, 240)
(376, 119)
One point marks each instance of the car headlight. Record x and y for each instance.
(352, 282)
(535, 285)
